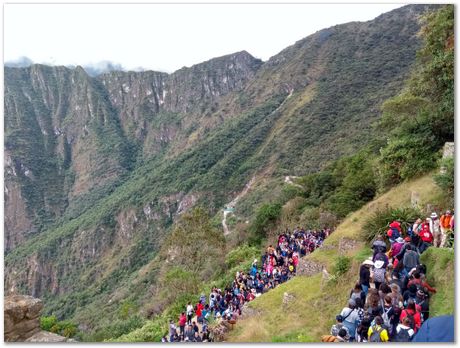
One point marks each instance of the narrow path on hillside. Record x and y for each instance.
(230, 207)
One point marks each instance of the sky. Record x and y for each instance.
(165, 37)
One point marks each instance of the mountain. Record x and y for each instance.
(97, 169)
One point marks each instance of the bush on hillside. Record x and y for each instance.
(378, 222)
(64, 328)
(266, 216)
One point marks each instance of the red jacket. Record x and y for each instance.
(426, 235)
(199, 308)
(416, 315)
(182, 320)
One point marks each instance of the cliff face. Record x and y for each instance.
(97, 169)
(68, 134)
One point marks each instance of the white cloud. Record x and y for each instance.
(165, 37)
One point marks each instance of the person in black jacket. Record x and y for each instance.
(365, 275)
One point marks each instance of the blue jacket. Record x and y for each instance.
(436, 329)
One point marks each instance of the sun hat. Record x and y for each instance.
(434, 215)
(368, 262)
(400, 240)
(378, 264)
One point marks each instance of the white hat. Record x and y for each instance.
(255, 260)
(400, 240)
(434, 215)
(378, 264)
(368, 262)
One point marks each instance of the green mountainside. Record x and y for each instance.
(100, 171)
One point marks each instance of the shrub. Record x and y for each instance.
(241, 254)
(266, 216)
(342, 265)
(46, 323)
(378, 222)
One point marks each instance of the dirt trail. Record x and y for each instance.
(229, 208)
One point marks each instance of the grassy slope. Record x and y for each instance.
(317, 301)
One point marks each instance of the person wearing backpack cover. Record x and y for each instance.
(404, 332)
(394, 232)
(413, 314)
(377, 332)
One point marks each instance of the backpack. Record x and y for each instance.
(379, 275)
(375, 336)
(386, 318)
(412, 320)
(402, 336)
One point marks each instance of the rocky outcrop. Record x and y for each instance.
(22, 321)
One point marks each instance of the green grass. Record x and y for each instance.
(440, 265)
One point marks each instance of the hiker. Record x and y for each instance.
(412, 313)
(182, 322)
(340, 337)
(377, 333)
(394, 232)
(374, 307)
(435, 228)
(427, 237)
(172, 330)
(417, 226)
(445, 227)
(339, 325)
(396, 247)
(378, 273)
(357, 292)
(379, 246)
(362, 330)
(404, 332)
(411, 259)
(365, 274)
(189, 333)
(189, 311)
(350, 318)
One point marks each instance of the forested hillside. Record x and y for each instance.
(102, 174)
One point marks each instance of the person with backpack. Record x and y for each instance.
(338, 326)
(404, 332)
(350, 318)
(362, 330)
(357, 292)
(378, 273)
(365, 274)
(412, 313)
(377, 332)
(411, 259)
(396, 247)
(394, 232)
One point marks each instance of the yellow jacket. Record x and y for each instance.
(383, 334)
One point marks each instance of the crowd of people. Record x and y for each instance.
(277, 265)
(390, 301)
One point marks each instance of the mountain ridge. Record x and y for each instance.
(124, 171)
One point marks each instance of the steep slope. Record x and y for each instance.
(317, 300)
(154, 145)
(70, 137)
